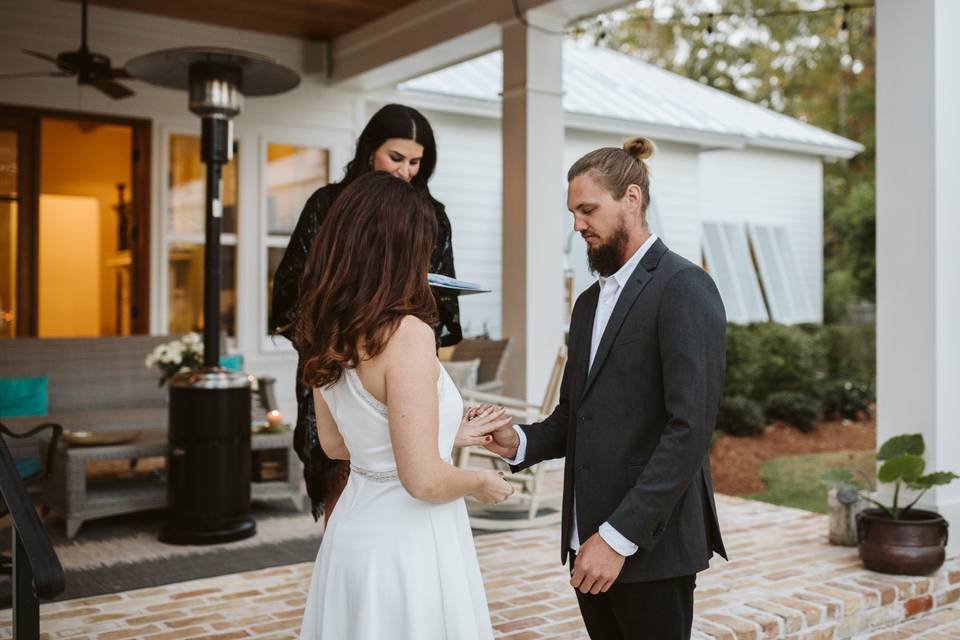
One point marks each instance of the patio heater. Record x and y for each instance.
(208, 460)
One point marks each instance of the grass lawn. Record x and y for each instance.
(793, 481)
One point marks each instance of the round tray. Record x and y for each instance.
(93, 439)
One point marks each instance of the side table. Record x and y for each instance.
(71, 495)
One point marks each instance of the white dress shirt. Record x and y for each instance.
(610, 290)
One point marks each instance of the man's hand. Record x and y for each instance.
(596, 566)
(505, 442)
(477, 424)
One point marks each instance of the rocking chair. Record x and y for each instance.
(531, 495)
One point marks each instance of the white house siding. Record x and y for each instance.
(770, 187)
(468, 181)
(674, 186)
(310, 114)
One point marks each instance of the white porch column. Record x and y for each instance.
(534, 209)
(918, 230)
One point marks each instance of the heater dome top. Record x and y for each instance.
(170, 68)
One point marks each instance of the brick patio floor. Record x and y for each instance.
(784, 581)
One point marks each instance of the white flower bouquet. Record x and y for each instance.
(182, 354)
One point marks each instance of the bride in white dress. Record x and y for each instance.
(397, 560)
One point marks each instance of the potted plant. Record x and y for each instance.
(899, 539)
(182, 354)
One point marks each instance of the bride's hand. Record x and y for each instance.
(493, 488)
(478, 423)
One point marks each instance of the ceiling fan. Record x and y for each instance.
(90, 68)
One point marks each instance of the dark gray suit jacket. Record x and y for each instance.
(636, 429)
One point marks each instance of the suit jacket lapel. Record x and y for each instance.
(586, 333)
(632, 289)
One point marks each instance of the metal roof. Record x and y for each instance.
(605, 89)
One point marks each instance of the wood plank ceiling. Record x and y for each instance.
(306, 19)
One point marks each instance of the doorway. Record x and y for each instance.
(76, 226)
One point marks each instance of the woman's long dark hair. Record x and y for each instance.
(366, 270)
(394, 121)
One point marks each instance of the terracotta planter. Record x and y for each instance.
(915, 545)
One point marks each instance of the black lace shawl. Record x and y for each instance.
(286, 286)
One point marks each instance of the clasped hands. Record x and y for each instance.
(597, 565)
(478, 427)
(491, 427)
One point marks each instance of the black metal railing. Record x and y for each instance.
(37, 573)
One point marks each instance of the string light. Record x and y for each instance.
(761, 14)
(709, 17)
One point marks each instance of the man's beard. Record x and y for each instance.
(607, 258)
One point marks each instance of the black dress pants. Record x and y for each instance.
(656, 610)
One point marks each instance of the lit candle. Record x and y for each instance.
(274, 418)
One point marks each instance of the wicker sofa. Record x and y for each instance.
(95, 384)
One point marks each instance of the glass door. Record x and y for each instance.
(17, 183)
(74, 224)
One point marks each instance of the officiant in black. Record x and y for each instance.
(397, 140)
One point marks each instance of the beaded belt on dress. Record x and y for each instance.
(389, 475)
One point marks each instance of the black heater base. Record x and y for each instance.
(171, 534)
(208, 460)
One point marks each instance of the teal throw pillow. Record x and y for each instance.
(232, 363)
(23, 397)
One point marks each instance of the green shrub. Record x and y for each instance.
(839, 292)
(851, 351)
(744, 359)
(768, 358)
(765, 358)
(847, 398)
(796, 409)
(740, 416)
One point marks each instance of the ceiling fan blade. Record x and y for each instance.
(35, 74)
(42, 56)
(113, 89)
(120, 72)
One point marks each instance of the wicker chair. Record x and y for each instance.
(492, 355)
(531, 495)
(33, 471)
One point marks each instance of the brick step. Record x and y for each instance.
(851, 604)
(940, 624)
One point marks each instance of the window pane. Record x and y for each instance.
(742, 264)
(8, 269)
(292, 174)
(188, 185)
(186, 288)
(653, 219)
(783, 282)
(728, 261)
(8, 163)
(274, 255)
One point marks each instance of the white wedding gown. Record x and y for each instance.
(390, 566)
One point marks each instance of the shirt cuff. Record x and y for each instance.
(616, 540)
(521, 448)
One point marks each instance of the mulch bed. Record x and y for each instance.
(736, 461)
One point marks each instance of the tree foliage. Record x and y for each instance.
(805, 66)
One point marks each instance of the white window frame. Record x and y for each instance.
(168, 238)
(340, 147)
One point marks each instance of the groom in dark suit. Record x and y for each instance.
(638, 403)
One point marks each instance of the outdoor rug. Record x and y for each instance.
(121, 553)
